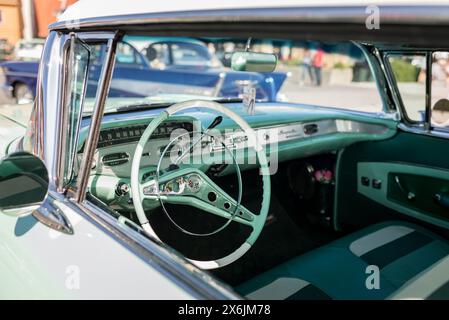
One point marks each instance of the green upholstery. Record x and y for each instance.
(403, 252)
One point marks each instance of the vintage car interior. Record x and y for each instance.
(286, 199)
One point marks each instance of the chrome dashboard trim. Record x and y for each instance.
(296, 131)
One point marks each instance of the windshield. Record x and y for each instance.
(154, 71)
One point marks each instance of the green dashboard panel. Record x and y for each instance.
(337, 129)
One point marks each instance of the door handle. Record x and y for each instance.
(410, 195)
(442, 199)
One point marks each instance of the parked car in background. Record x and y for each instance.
(5, 50)
(171, 63)
(175, 53)
(18, 80)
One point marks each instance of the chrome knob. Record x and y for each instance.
(122, 189)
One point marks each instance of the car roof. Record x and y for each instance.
(88, 9)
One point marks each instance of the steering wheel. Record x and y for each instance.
(194, 186)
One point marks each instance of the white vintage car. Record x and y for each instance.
(336, 190)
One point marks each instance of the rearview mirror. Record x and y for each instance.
(253, 61)
(23, 184)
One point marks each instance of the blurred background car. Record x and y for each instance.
(175, 53)
(5, 50)
(162, 66)
(29, 50)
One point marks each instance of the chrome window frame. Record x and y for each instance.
(417, 127)
(393, 83)
(376, 70)
(67, 168)
(94, 128)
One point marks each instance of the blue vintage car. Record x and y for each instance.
(166, 65)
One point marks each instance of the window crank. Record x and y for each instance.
(410, 195)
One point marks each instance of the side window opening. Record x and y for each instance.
(85, 62)
(333, 75)
(440, 91)
(410, 72)
(78, 59)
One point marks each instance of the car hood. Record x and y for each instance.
(13, 123)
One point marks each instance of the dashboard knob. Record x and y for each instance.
(122, 189)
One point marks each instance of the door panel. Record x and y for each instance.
(409, 189)
(40, 263)
(422, 163)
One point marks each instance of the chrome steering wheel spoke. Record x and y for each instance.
(192, 187)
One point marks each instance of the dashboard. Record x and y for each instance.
(286, 131)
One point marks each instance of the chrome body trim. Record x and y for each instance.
(47, 110)
(63, 116)
(422, 130)
(52, 215)
(20, 74)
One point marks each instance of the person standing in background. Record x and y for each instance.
(306, 68)
(318, 65)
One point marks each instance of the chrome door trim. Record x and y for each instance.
(47, 117)
(423, 130)
(62, 117)
(94, 129)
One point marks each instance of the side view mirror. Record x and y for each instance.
(253, 61)
(23, 184)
